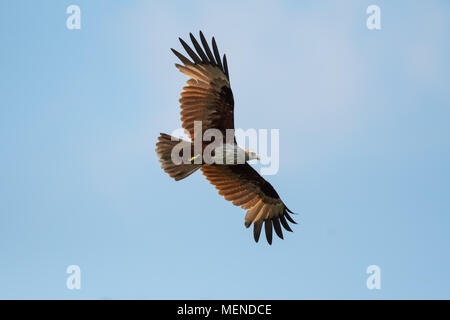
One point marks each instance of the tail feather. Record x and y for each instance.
(164, 148)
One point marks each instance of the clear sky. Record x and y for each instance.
(364, 150)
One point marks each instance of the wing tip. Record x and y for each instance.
(288, 210)
(277, 227)
(268, 230)
(203, 55)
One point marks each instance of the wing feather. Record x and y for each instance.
(242, 185)
(207, 49)
(190, 52)
(225, 66)
(268, 229)
(285, 224)
(207, 97)
(257, 230)
(198, 48)
(216, 53)
(277, 227)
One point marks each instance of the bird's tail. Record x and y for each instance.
(164, 148)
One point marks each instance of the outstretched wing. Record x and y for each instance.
(207, 97)
(242, 185)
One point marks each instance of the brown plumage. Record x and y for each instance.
(208, 98)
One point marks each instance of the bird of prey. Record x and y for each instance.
(208, 98)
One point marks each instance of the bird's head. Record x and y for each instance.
(250, 155)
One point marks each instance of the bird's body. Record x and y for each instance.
(230, 154)
(208, 99)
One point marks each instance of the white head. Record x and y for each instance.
(250, 155)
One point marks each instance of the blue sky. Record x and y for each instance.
(364, 150)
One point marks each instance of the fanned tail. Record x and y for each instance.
(164, 148)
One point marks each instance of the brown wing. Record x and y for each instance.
(208, 96)
(242, 185)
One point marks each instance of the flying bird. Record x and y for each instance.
(208, 98)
